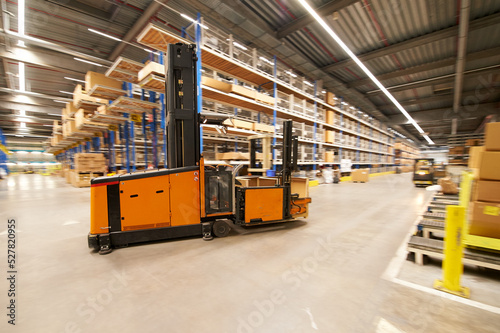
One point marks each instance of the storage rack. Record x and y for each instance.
(460, 140)
(3, 153)
(405, 155)
(358, 137)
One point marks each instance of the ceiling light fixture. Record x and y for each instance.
(266, 60)
(23, 125)
(54, 114)
(291, 74)
(105, 35)
(194, 21)
(323, 91)
(241, 46)
(72, 79)
(22, 113)
(363, 67)
(55, 100)
(88, 62)
(309, 84)
(65, 92)
(20, 21)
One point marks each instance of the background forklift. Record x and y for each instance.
(189, 198)
(423, 173)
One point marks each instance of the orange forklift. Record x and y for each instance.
(189, 198)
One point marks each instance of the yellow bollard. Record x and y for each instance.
(453, 253)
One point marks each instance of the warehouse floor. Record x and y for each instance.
(324, 275)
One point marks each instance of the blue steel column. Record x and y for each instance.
(358, 139)
(198, 37)
(87, 146)
(128, 88)
(341, 125)
(152, 126)
(144, 132)
(163, 118)
(315, 121)
(275, 95)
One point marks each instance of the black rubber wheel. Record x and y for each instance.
(221, 229)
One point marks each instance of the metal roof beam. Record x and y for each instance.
(43, 58)
(493, 52)
(303, 21)
(441, 114)
(417, 41)
(437, 80)
(463, 31)
(152, 9)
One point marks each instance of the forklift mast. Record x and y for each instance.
(183, 124)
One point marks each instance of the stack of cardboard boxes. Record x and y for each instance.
(485, 206)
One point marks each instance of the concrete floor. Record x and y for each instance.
(321, 275)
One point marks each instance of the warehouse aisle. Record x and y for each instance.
(321, 275)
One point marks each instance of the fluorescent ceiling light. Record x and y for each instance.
(88, 62)
(55, 100)
(20, 136)
(36, 152)
(23, 125)
(323, 91)
(73, 79)
(241, 46)
(54, 114)
(291, 74)
(266, 60)
(20, 20)
(23, 120)
(65, 92)
(22, 77)
(194, 21)
(309, 84)
(362, 66)
(22, 112)
(105, 35)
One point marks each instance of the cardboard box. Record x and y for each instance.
(68, 127)
(486, 190)
(216, 84)
(300, 185)
(248, 181)
(329, 136)
(80, 96)
(264, 98)
(329, 157)
(93, 78)
(330, 117)
(330, 98)
(492, 136)
(267, 181)
(490, 166)
(263, 128)
(239, 123)
(360, 175)
(240, 90)
(485, 219)
(473, 142)
(475, 154)
(151, 68)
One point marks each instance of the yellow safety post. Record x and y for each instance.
(453, 253)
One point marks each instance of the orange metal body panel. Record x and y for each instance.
(303, 207)
(263, 203)
(99, 210)
(144, 203)
(185, 198)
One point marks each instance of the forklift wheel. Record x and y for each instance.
(221, 229)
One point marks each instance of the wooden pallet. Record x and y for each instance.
(106, 92)
(131, 105)
(434, 248)
(87, 105)
(124, 69)
(108, 119)
(153, 82)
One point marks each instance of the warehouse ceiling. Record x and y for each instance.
(411, 47)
